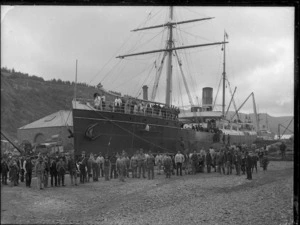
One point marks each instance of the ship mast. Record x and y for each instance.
(224, 78)
(170, 48)
(169, 68)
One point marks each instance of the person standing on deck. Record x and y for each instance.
(97, 101)
(103, 101)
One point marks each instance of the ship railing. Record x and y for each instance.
(169, 113)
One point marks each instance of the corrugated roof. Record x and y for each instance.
(58, 119)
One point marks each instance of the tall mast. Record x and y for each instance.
(169, 49)
(169, 67)
(224, 78)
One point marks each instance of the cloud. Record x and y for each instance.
(46, 41)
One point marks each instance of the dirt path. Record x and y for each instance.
(192, 199)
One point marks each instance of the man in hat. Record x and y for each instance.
(4, 170)
(121, 167)
(248, 165)
(99, 161)
(150, 161)
(13, 173)
(179, 160)
(73, 170)
(134, 165)
(167, 162)
(39, 170)
(28, 170)
(106, 167)
(21, 164)
(47, 170)
(127, 162)
(82, 167)
(158, 163)
(53, 171)
(265, 161)
(141, 163)
(61, 169)
(194, 159)
(113, 169)
(208, 160)
(254, 161)
(95, 168)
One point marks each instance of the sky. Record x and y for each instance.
(46, 41)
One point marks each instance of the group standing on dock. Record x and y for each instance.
(86, 168)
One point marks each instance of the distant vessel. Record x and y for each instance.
(265, 133)
(159, 127)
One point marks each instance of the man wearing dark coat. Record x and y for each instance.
(4, 171)
(194, 160)
(243, 165)
(53, 172)
(13, 173)
(28, 166)
(228, 161)
(61, 169)
(248, 166)
(82, 167)
(208, 160)
(254, 162)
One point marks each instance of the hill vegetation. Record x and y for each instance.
(25, 98)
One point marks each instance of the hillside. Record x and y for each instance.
(25, 99)
(271, 122)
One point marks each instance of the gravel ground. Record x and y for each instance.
(192, 199)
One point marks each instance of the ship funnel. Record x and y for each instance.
(145, 92)
(207, 98)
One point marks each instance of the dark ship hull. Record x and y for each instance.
(98, 131)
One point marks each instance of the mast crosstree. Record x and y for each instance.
(169, 49)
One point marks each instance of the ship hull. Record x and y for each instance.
(106, 132)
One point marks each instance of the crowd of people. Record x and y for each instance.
(136, 106)
(243, 160)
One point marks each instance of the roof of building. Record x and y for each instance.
(58, 119)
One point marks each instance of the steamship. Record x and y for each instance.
(159, 127)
